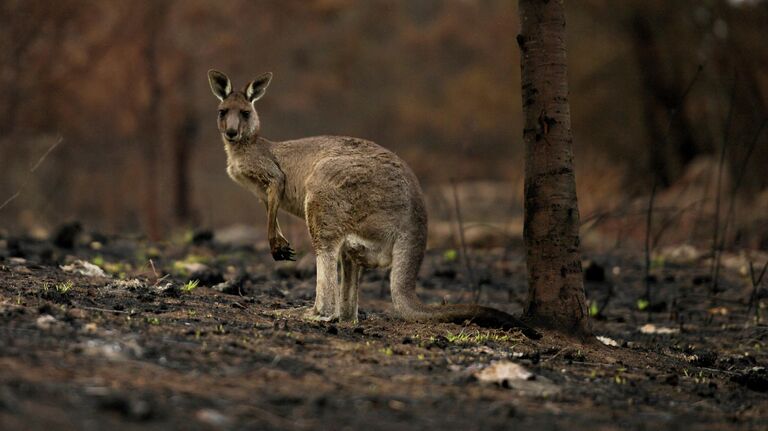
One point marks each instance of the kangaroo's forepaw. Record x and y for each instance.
(283, 252)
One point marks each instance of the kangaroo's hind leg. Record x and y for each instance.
(327, 287)
(327, 242)
(346, 303)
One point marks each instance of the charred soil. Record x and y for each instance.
(206, 336)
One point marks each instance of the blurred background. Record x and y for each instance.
(665, 93)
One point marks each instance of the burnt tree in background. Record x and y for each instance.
(185, 133)
(663, 96)
(151, 121)
(551, 228)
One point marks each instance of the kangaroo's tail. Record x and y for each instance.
(459, 313)
(406, 260)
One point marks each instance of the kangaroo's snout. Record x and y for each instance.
(231, 133)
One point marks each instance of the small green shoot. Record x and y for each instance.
(658, 262)
(153, 320)
(461, 337)
(189, 235)
(594, 310)
(64, 287)
(642, 304)
(220, 329)
(450, 255)
(190, 286)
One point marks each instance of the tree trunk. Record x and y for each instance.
(672, 145)
(152, 138)
(555, 286)
(182, 151)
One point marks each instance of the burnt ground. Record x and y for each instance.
(139, 348)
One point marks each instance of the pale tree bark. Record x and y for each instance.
(551, 228)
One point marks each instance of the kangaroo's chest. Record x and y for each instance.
(246, 177)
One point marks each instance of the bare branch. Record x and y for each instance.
(31, 171)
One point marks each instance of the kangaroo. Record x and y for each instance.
(362, 204)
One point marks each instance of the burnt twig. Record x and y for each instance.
(716, 251)
(467, 264)
(756, 280)
(31, 171)
(648, 247)
(740, 173)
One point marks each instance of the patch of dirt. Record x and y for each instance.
(146, 347)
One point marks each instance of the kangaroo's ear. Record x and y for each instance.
(258, 87)
(220, 84)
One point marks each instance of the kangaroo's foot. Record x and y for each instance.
(304, 313)
(314, 315)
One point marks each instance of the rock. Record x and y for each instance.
(46, 322)
(17, 261)
(113, 350)
(213, 417)
(84, 268)
(504, 372)
(607, 341)
(514, 376)
(650, 328)
(90, 328)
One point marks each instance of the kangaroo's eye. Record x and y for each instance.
(222, 113)
(245, 114)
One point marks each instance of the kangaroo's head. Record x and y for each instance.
(238, 120)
